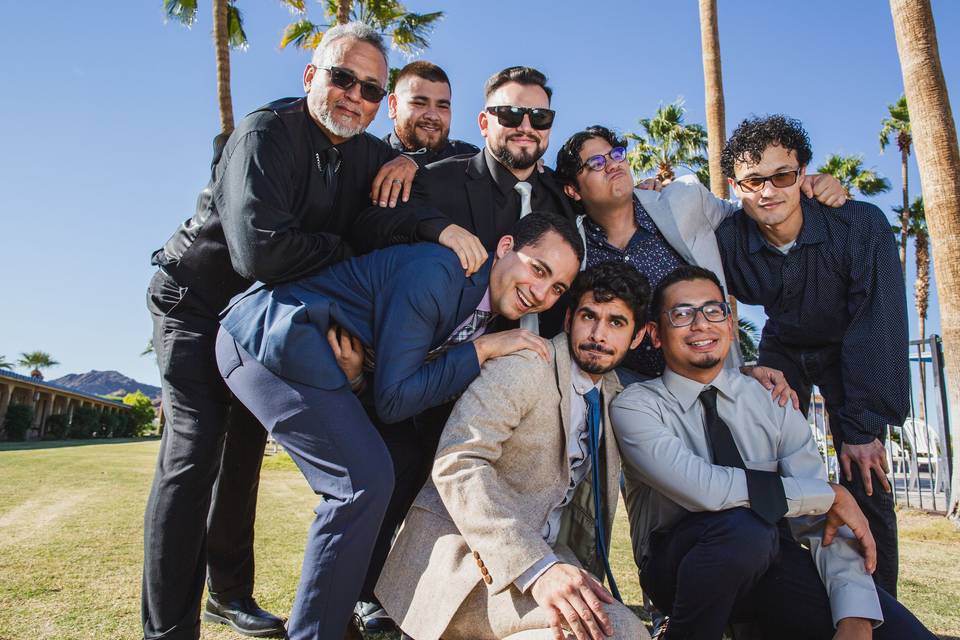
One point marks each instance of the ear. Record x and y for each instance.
(571, 192)
(392, 106)
(654, 333)
(566, 322)
(504, 246)
(482, 121)
(637, 339)
(732, 184)
(803, 173)
(308, 72)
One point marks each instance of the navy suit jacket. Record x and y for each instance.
(402, 302)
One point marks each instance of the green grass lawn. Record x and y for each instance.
(71, 544)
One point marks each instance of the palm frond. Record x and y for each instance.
(236, 37)
(183, 11)
(302, 34)
(296, 7)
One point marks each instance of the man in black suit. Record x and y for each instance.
(485, 193)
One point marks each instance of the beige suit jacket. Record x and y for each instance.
(501, 468)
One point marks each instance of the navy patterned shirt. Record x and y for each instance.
(839, 286)
(651, 255)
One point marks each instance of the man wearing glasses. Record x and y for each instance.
(282, 202)
(722, 486)
(831, 285)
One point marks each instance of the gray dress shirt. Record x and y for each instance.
(661, 433)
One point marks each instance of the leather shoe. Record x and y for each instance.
(244, 616)
(371, 618)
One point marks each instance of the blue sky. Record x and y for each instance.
(107, 116)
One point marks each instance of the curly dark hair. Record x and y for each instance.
(568, 158)
(754, 135)
(609, 280)
(685, 273)
(529, 229)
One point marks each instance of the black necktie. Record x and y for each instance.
(765, 488)
(328, 163)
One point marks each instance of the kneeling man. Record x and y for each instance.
(719, 480)
(504, 540)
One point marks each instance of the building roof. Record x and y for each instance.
(10, 375)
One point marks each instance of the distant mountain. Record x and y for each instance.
(106, 383)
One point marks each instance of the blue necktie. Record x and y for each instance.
(594, 421)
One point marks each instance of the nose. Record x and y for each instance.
(539, 291)
(598, 332)
(700, 321)
(768, 189)
(353, 93)
(525, 123)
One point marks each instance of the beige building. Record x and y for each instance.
(47, 399)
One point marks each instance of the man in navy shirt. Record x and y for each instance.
(831, 285)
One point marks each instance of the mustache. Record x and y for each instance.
(596, 347)
(526, 136)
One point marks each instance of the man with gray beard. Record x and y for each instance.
(287, 197)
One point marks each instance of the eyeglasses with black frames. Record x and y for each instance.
(683, 315)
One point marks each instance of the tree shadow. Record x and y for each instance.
(30, 445)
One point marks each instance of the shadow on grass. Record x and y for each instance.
(60, 444)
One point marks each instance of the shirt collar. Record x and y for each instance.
(813, 230)
(502, 176)
(581, 382)
(485, 301)
(640, 216)
(687, 391)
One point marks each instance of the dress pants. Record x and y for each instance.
(804, 368)
(195, 522)
(716, 568)
(343, 458)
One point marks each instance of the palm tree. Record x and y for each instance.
(935, 140)
(408, 31)
(5, 364)
(749, 337)
(37, 361)
(713, 93)
(899, 122)
(917, 229)
(227, 34)
(851, 174)
(666, 144)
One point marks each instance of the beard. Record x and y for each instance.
(413, 141)
(334, 126)
(522, 160)
(582, 357)
(709, 362)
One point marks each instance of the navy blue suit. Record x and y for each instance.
(272, 350)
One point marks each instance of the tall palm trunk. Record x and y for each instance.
(905, 214)
(713, 92)
(935, 138)
(922, 293)
(343, 11)
(220, 34)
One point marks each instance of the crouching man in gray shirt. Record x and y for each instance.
(723, 486)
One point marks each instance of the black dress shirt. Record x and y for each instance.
(840, 285)
(425, 156)
(506, 199)
(649, 253)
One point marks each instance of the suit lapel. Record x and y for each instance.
(662, 216)
(611, 388)
(471, 294)
(561, 360)
(480, 199)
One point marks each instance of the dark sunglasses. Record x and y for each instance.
(782, 179)
(683, 315)
(598, 162)
(511, 117)
(345, 79)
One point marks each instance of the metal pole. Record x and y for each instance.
(943, 412)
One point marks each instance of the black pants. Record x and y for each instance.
(412, 445)
(716, 568)
(803, 369)
(202, 505)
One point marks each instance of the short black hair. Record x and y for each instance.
(530, 229)
(752, 137)
(609, 280)
(520, 75)
(685, 273)
(568, 158)
(422, 69)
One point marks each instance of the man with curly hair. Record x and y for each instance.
(831, 285)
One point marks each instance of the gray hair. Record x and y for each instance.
(354, 30)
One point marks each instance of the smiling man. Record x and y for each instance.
(420, 107)
(421, 324)
(722, 486)
(831, 285)
(512, 533)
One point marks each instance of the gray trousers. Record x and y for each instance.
(343, 458)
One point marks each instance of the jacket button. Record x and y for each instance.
(484, 571)
(487, 579)
(476, 554)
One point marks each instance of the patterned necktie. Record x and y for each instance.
(478, 320)
(530, 322)
(767, 498)
(595, 428)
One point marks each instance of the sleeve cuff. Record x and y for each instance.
(851, 601)
(526, 579)
(807, 496)
(430, 230)
(855, 436)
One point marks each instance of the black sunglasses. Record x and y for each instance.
(511, 117)
(345, 79)
(782, 179)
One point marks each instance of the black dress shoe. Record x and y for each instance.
(244, 616)
(371, 618)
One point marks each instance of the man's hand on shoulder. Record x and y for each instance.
(854, 629)
(393, 179)
(494, 345)
(825, 188)
(569, 594)
(774, 381)
(846, 511)
(466, 245)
